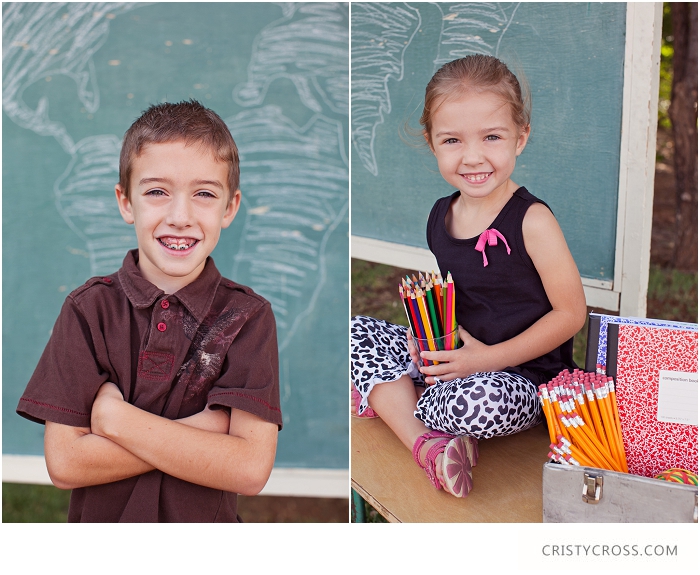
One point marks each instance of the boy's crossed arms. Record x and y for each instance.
(209, 448)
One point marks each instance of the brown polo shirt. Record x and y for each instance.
(213, 342)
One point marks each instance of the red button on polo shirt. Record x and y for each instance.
(162, 327)
(165, 304)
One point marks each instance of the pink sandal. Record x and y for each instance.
(459, 456)
(367, 413)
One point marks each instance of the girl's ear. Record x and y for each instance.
(522, 140)
(124, 205)
(428, 141)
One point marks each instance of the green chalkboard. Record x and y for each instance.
(572, 55)
(76, 75)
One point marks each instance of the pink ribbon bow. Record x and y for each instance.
(491, 236)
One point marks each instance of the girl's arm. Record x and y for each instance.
(76, 457)
(240, 461)
(547, 248)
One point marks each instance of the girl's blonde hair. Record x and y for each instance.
(478, 73)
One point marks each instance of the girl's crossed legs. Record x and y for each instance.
(480, 406)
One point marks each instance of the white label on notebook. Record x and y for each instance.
(678, 397)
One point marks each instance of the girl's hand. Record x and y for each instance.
(105, 401)
(471, 358)
(413, 349)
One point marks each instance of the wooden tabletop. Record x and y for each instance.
(507, 479)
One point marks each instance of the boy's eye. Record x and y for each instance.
(155, 192)
(205, 194)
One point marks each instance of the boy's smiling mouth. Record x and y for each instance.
(177, 244)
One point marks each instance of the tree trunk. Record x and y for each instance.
(684, 117)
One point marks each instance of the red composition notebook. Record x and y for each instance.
(656, 382)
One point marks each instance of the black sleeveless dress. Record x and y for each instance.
(498, 294)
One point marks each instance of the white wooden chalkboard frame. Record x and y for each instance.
(627, 292)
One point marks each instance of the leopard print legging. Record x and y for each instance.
(482, 405)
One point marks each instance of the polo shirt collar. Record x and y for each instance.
(197, 297)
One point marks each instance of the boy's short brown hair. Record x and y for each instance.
(186, 121)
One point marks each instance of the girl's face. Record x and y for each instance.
(476, 143)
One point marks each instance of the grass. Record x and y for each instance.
(673, 295)
(375, 291)
(34, 503)
(47, 504)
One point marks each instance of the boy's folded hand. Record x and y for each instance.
(102, 407)
(215, 420)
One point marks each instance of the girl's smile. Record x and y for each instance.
(477, 178)
(476, 143)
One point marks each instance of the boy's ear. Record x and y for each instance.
(124, 205)
(231, 209)
(522, 140)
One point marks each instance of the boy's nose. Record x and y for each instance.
(180, 212)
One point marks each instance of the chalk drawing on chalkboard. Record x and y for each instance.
(472, 28)
(294, 182)
(309, 46)
(85, 200)
(47, 40)
(294, 178)
(380, 35)
(41, 40)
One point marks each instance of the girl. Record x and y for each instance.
(518, 292)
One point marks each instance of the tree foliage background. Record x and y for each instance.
(678, 111)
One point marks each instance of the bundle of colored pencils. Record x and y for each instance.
(583, 421)
(429, 303)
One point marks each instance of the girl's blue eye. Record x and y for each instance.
(450, 141)
(492, 138)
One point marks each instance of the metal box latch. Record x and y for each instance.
(592, 488)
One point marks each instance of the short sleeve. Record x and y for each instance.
(249, 378)
(68, 375)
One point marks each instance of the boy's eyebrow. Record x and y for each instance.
(216, 183)
(158, 180)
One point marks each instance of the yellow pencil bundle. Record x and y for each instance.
(583, 421)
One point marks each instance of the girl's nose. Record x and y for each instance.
(471, 156)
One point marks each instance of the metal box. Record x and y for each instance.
(573, 494)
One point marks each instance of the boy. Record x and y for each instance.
(159, 385)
